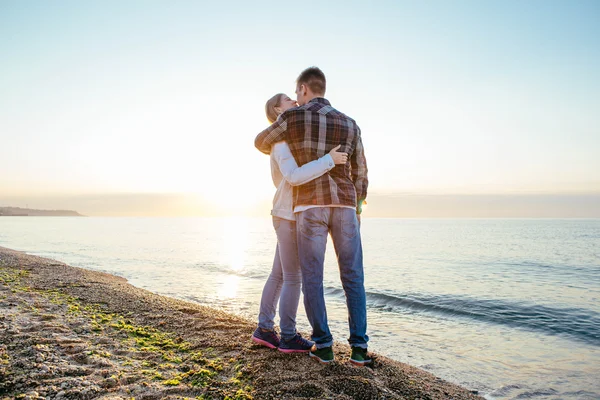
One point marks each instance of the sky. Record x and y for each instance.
(119, 100)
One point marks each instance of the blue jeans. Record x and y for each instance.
(313, 226)
(284, 283)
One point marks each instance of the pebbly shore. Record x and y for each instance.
(71, 333)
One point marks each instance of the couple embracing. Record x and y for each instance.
(319, 168)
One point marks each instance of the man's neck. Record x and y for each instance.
(314, 96)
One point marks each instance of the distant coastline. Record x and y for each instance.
(30, 212)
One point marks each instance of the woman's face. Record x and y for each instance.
(287, 103)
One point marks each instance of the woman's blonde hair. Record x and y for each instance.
(273, 102)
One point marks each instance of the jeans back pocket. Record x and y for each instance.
(349, 223)
(311, 222)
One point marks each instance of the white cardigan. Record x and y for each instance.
(286, 173)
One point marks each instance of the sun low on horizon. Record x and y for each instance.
(144, 98)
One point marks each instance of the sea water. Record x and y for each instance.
(508, 307)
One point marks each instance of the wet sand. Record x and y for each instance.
(70, 333)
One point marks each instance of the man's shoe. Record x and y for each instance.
(266, 338)
(324, 355)
(295, 345)
(359, 357)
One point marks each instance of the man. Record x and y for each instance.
(331, 204)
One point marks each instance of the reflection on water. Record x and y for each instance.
(229, 287)
(509, 307)
(235, 233)
(234, 246)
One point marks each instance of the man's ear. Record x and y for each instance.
(304, 89)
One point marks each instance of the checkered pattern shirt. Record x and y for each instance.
(311, 131)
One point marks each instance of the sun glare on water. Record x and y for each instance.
(236, 232)
(235, 246)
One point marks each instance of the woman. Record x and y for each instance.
(284, 283)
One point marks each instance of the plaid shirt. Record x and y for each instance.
(311, 131)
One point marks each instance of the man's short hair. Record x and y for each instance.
(314, 78)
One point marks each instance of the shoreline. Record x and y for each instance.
(68, 332)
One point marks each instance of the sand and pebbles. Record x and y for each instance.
(70, 333)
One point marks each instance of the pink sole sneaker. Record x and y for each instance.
(293, 351)
(263, 342)
(296, 345)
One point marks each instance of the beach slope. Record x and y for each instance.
(66, 332)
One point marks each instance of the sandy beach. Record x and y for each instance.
(70, 333)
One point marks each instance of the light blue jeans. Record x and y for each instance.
(342, 223)
(284, 283)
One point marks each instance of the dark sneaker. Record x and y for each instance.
(296, 345)
(268, 338)
(359, 357)
(324, 355)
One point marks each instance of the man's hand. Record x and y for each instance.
(359, 206)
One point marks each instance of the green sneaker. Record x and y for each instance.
(324, 355)
(359, 357)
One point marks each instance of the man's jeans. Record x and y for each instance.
(283, 283)
(313, 226)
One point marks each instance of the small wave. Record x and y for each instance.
(578, 323)
(559, 269)
(537, 393)
(243, 272)
(582, 395)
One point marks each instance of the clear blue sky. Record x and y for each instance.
(166, 96)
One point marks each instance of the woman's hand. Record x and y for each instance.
(338, 157)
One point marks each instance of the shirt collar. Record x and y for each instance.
(320, 100)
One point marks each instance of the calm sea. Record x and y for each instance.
(509, 307)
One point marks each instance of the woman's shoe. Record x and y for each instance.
(295, 345)
(266, 338)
